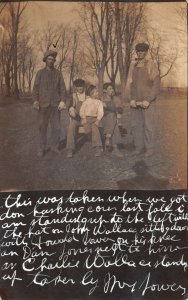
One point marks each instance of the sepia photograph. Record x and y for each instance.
(93, 95)
(93, 150)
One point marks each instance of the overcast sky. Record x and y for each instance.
(162, 16)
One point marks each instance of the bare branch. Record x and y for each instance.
(2, 6)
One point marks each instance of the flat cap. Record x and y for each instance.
(142, 47)
(49, 53)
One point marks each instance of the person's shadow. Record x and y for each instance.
(143, 179)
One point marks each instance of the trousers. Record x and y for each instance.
(110, 126)
(49, 116)
(89, 127)
(143, 122)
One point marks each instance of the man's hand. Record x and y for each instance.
(97, 123)
(61, 105)
(145, 104)
(133, 104)
(36, 105)
(72, 112)
(139, 104)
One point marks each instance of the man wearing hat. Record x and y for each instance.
(49, 95)
(144, 85)
(78, 97)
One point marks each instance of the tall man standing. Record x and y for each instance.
(144, 87)
(49, 95)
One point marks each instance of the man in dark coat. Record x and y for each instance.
(49, 96)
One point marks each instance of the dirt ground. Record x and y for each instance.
(21, 169)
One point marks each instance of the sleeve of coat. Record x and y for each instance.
(62, 88)
(154, 89)
(69, 101)
(133, 93)
(100, 111)
(35, 92)
(154, 81)
(118, 104)
(82, 110)
(129, 90)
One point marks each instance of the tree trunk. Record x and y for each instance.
(7, 83)
(123, 85)
(101, 80)
(23, 80)
(19, 80)
(2, 85)
(70, 79)
(16, 90)
(15, 54)
(120, 52)
(113, 81)
(29, 87)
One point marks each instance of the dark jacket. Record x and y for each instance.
(49, 87)
(112, 104)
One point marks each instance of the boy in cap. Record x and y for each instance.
(112, 107)
(49, 95)
(77, 100)
(144, 85)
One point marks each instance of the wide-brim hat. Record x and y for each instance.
(142, 47)
(49, 53)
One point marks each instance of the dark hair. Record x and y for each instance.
(142, 47)
(79, 83)
(106, 85)
(90, 89)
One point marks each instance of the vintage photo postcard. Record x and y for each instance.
(93, 150)
(93, 95)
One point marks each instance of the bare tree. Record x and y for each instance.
(59, 38)
(6, 57)
(112, 59)
(96, 19)
(23, 50)
(63, 45)
(48, 36)
(2, 7)
(15, 11)
(6, 60)
(162, 53)
(130, 18)
(30, 68)
(73, 58)
(181, 28)
(82, 64)
(182, 14)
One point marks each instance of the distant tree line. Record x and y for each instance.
(100, 44)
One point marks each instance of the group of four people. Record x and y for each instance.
(97, 117)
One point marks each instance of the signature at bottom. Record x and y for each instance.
(111, 282)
